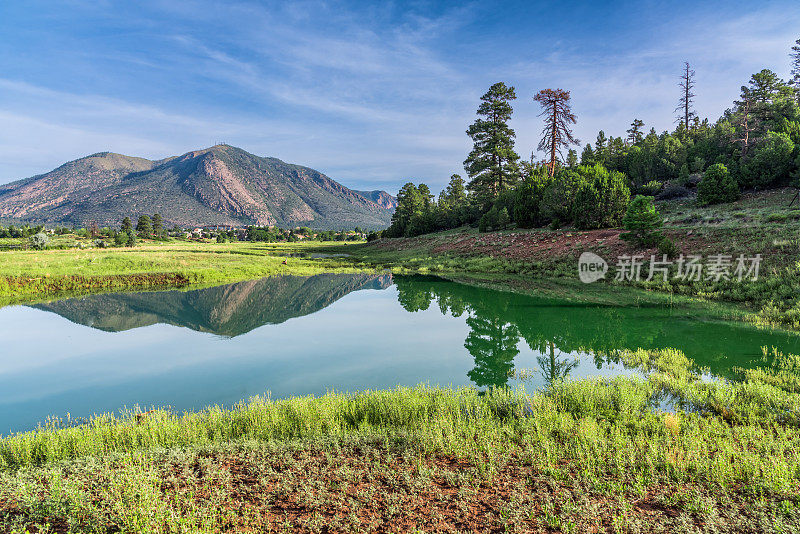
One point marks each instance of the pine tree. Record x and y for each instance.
(687, 96)
(587, 156)
(409, 204)
(572, 159)
(557, 113)
(126, 226)
(144, 226)
(600, 146)
(635, 134)
(158, 226)
(492, 163)
(454, 195)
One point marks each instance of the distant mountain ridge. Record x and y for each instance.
(381, 198)
(221, 185)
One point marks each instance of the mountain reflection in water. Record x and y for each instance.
(298, 335)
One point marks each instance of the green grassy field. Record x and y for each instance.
(546, 260)
(29, 274)
(593, 455)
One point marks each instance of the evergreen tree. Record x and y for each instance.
(409, 204)
(126, 226)
(587, 156)
(144, 226)
(600, 147)
(642, 222)
(158, 226)
(572, 158)
(455, 193)
(795, 80)
(492, 163)
(635, 134)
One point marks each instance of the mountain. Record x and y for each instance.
(381, 198)
(221, 185)
(228, 310)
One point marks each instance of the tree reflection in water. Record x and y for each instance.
(557, 329)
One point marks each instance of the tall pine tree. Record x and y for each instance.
(492, 163)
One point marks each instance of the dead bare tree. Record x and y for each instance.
(687, 96)
(556, 135)
(746, 122)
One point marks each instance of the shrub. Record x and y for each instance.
(642, 222)
(488, 220)
(373, 236)
(771, 163)
(683, 175)
(559, 196)
(529, 197)
(672, 191)
(717, 186)
(698, 164)
(601, 199)
(651, 189)
(667, 246)
(99, 243)
(121, 239)
(39, 241)
(503, 219)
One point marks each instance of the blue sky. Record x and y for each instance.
(372, 94)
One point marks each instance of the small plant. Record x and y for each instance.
(39, 241)
(651, 188)
(642, 222)
(717, 186)
(672, 191)
(667, 246)
(683, 175)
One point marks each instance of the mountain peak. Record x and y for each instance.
(221, 184)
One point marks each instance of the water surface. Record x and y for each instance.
(293, 335)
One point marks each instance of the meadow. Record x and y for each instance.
(31, 274)
(668, 450)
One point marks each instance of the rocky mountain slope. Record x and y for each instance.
(221, 185)
(381, 198)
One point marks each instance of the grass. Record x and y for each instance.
(581, 456)
(26, 275)
(545, 260)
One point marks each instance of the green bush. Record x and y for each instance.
(651, 188)
(771, 163)
(39, 241)
(642, 222)
(601, 199)
(494, 219)
(121, 239)
(683, 175)
(529, 196)
(667, 246)
(717, 186)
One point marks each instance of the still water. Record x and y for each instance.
(293, 335)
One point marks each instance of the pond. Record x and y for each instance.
(295, 335)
